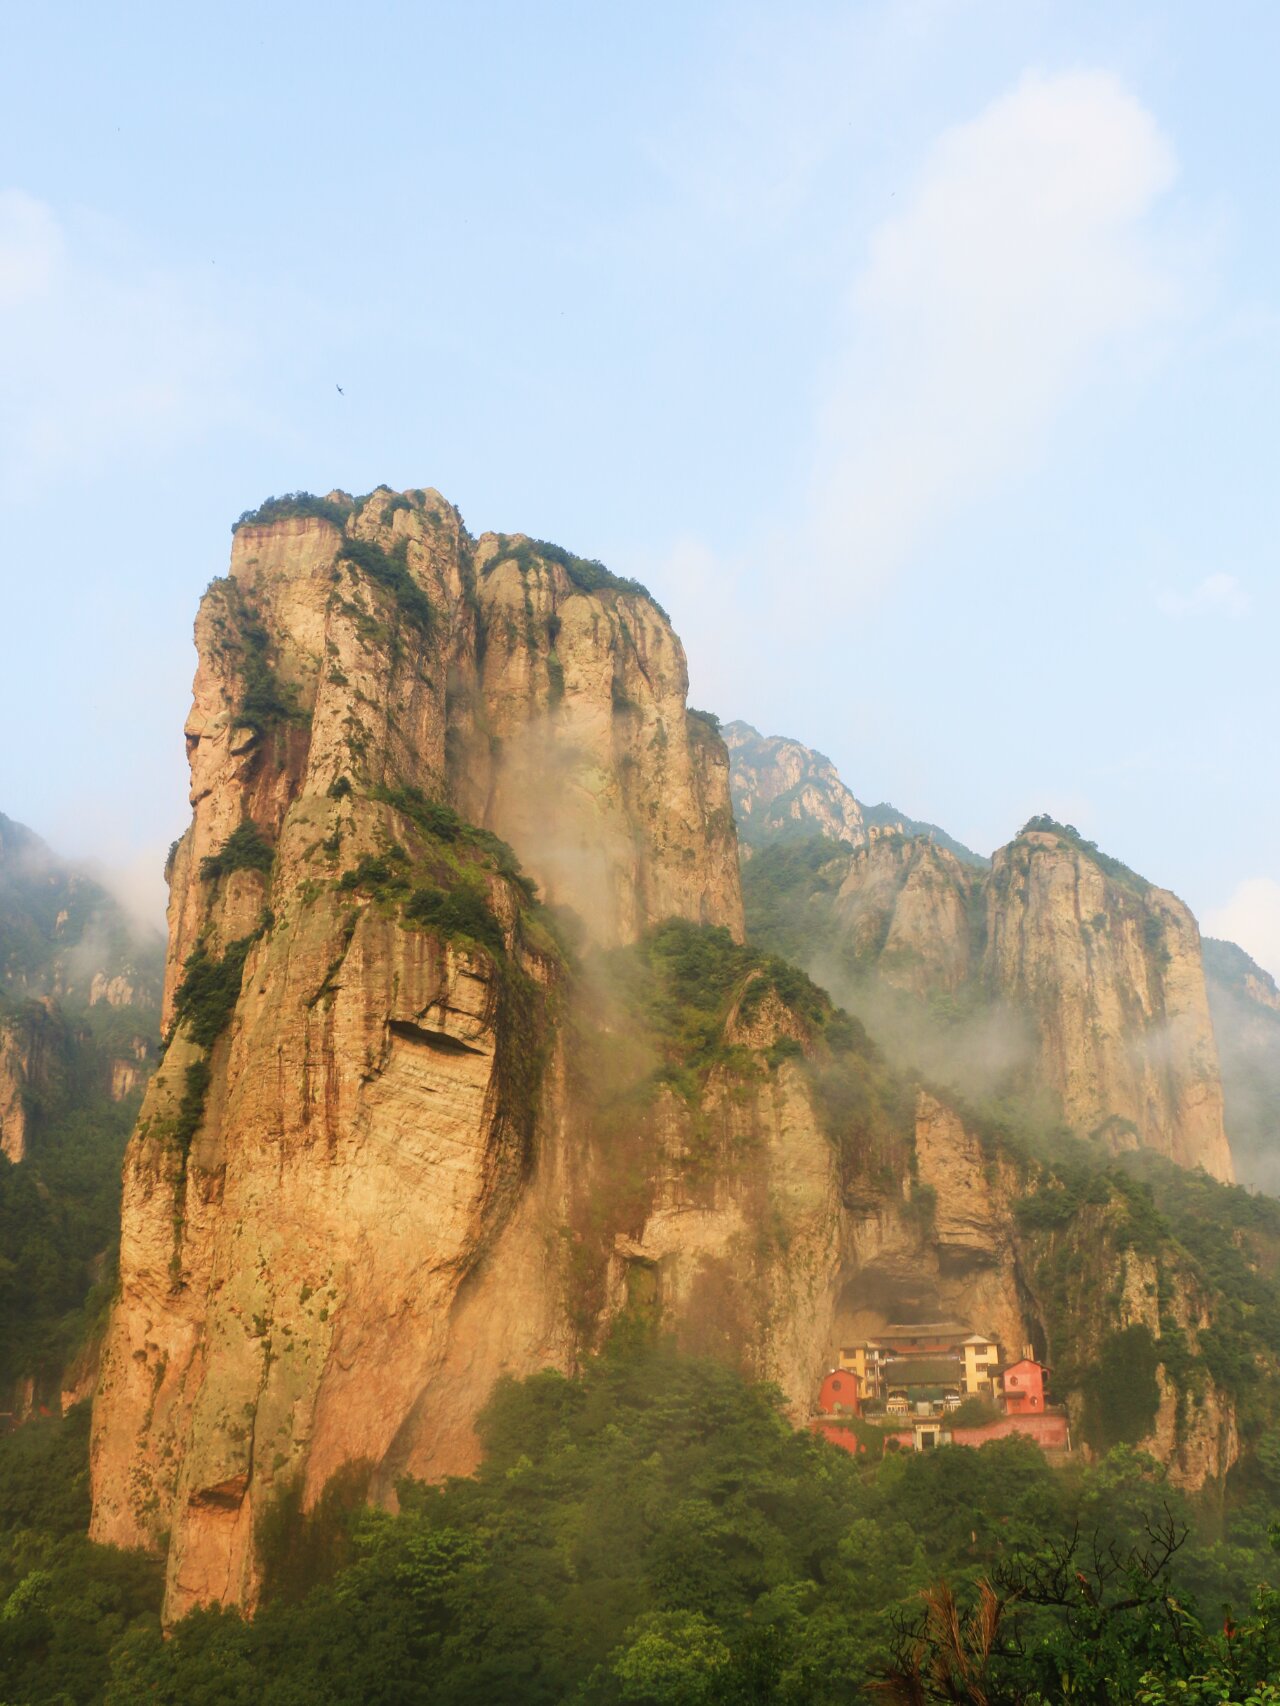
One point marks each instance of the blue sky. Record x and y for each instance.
(921, 357)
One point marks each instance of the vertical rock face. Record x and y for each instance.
(27, 1041)
(1104, 967)
(906, 906)
(550, 714)
(1110, 968)
(1245, 1005)
(345, 1201)
(577, 748)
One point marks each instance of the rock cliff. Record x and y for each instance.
(906, 906)
(1099, 970)
(1245, 1005)
(359, 1135)
(1109, 967)
(781, 787)
(420, 1123)
(29, 1038)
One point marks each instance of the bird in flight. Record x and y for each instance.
(339, 389)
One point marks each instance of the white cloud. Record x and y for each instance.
(30, 248)
(1019, 269)
(1251, 917)
(1018, 266)
(101, 355)
(1216, 594)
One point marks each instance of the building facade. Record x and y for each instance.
(912, 1379)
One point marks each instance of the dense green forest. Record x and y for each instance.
(60, 1210)
(656, 1531)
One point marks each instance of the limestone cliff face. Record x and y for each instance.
(906, 906)
(1245, 1005)
(552, 715)
(401, 1141)
(1110, 968)
(28, 1041)
(570, 738)
(1102, 967)
(348, 1201)
(780, 786)
(1065, 1293)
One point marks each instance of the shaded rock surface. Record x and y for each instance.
(1245, 1005)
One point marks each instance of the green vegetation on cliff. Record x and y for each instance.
(390, 571)
(335, 510)
(60, 1217)
(245, 849)
(586, 573)
(687, 988)
(206, 998)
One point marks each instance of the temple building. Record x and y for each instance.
(911, 1380)
(933, 1361)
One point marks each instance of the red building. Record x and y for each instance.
(839, 1394)
(1022, 1387)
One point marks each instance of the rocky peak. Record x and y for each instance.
(781, 787)
(1054, 940)
(375, 644)
(1110, 968)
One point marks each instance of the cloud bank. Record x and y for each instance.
(1021, 268)
(1218, 594)
(1019, 264)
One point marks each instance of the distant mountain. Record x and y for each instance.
(1245, 1003)
(885, 816)
(79, 1031)
(783, 789)
(63, 936)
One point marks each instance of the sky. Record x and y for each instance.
(920, 355)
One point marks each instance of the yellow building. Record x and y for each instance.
(980, 1356)
(867, 1362)
(883, 1363)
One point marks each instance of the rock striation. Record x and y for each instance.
(358, 1135)
(906, 905)
(29, 1038)
(1110, 969)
